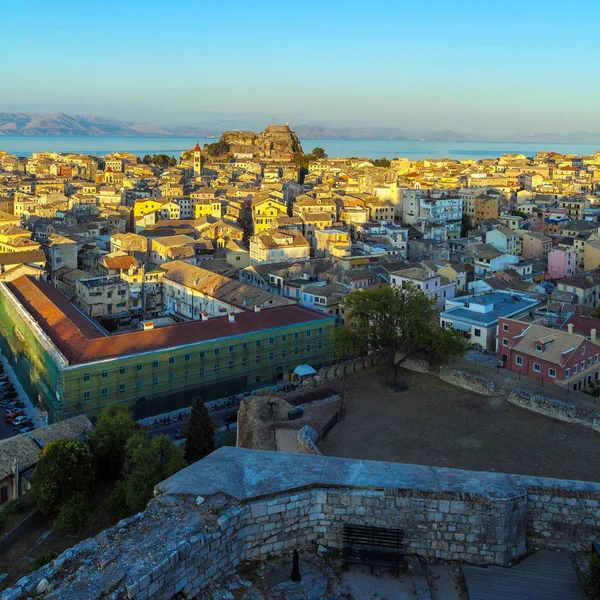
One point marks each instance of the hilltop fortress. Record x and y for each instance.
(276, 142)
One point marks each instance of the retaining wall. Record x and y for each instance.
(238, 505)
(569, 412)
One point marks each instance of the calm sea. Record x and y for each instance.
(25, 145)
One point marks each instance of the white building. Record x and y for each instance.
(435, 286)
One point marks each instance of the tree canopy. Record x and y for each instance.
(64, 468)
(396, 324)
(200, 432)
(217, 148)
(318, 153)
(150, 462)
(382, 162)
(466, 225)
(114, 429)
(161, 160)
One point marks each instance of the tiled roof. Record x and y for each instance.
(120, 262)
(222, 288)
(562, 344)
(26, 257)
(27, 446)
(81, 341)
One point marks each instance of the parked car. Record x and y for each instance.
(6, 401)
(13, 415)
(22, 421)
(12, 403)
(11, 407)
(10, 396)
(25, 429)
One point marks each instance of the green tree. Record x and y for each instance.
(116, 504)
(150, 462)
(301, 160)
(73, 515)
(318, 153)
(382, 162)
(200, 432)
(113, 430)
(64, 468)
(147, 160)
(466, 225)
(596, 313)
(394, 323)
(219, 148)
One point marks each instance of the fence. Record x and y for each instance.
(338, 416)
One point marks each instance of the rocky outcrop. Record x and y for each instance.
(276, 142)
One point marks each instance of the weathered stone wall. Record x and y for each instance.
(338, 371)
(561, 521)
(545, 405)
(238, 505)
(307, 438)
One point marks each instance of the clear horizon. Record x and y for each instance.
(429, 67)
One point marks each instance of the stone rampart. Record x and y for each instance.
(238, 505)
(569, 412)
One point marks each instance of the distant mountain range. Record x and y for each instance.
(54, 124)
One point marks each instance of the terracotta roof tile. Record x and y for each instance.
(82, 341)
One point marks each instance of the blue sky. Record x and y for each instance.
(527, 65)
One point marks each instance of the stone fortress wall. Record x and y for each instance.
(238, 505)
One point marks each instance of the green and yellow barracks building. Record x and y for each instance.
(70, 365)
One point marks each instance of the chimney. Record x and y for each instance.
(257, 308)
(205, 316)
(593, 336)
(231, 318)
(148, 325)
(570, 327)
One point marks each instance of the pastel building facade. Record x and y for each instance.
(561, 263)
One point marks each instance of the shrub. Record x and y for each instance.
(73, 515)
(42, 560)
(594, 577)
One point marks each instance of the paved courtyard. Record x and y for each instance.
(435, 423)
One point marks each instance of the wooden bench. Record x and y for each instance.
(373, 546)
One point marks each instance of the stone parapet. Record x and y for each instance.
(237, 505)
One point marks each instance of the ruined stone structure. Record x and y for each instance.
(238, 505)
(276, 142)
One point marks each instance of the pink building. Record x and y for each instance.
(561, 263)
(549, 354)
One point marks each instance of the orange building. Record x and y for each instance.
(485, 207)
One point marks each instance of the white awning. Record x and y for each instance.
(304, 370)
(461, 326)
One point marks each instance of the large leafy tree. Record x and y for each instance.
(394, 323)
(150, 462)
(114, 429)
(200, 433)
(64, 469)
